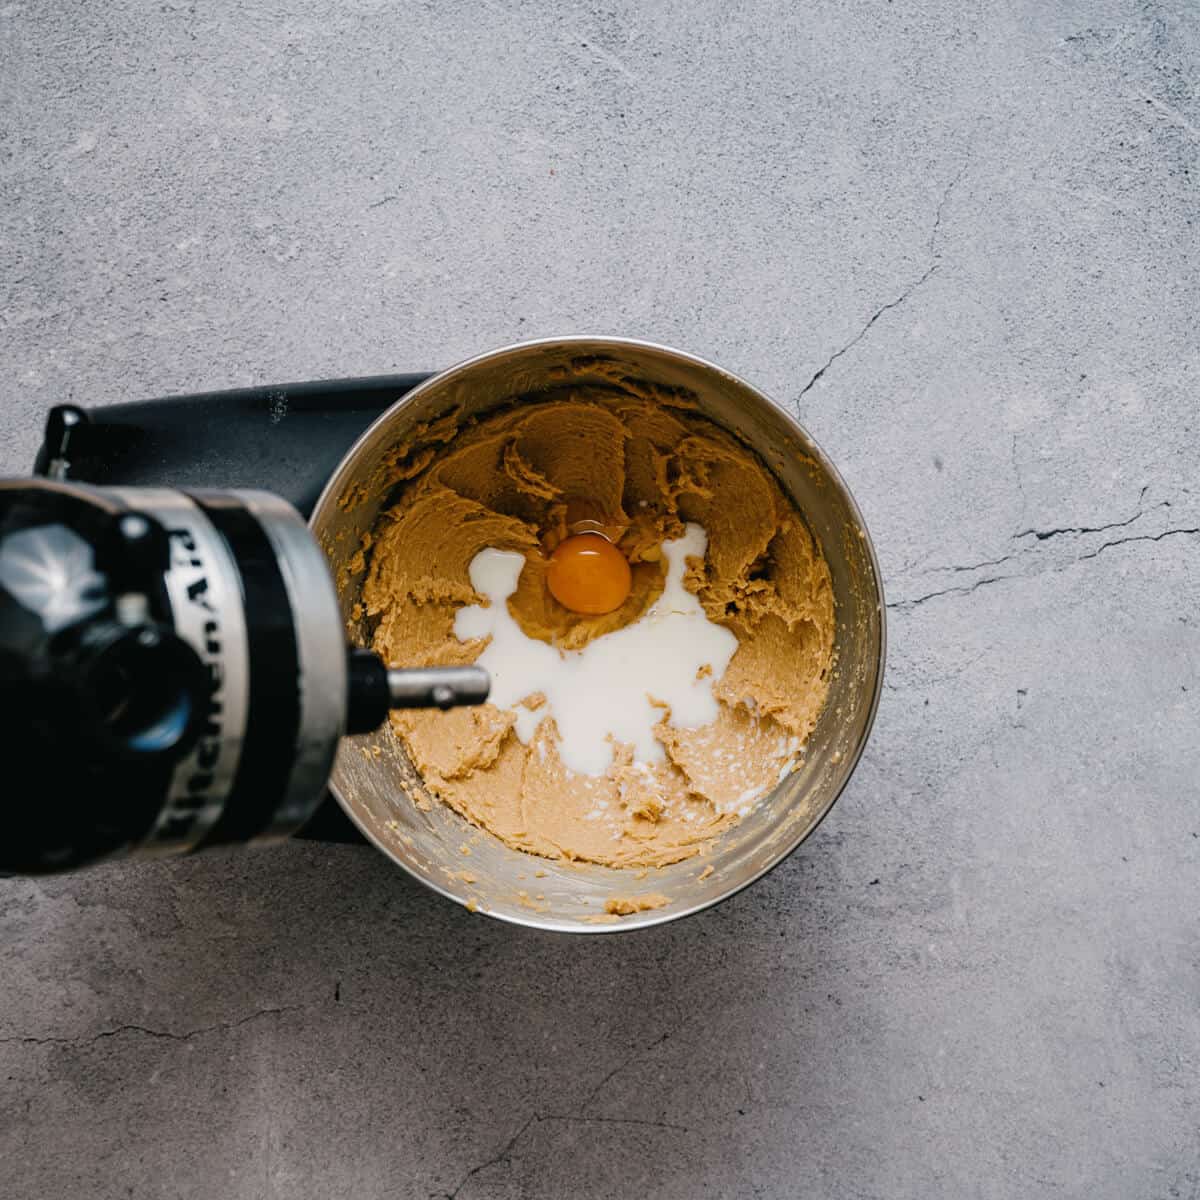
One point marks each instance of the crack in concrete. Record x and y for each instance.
(1043, 535)
(635, 1058)
(987, 562)
(937, 216)
(164, 1034)
(505, 1154)
(1140, 537)
(862, 333)
(934, 255)
(578, 1116)
(493, 1161)
(990, 579)
(953, 591)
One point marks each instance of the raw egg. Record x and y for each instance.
(588, 574)
(599, 696)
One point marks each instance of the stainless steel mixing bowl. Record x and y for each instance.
(377, 785)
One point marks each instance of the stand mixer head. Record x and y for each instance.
(173, 668)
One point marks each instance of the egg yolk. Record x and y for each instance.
(588, 575)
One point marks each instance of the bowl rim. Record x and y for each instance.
(652, 917)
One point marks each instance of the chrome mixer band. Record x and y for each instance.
(249, 590)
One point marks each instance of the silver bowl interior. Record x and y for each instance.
(378, 786)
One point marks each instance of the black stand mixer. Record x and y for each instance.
(173, 664)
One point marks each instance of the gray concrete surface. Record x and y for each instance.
(960, 239)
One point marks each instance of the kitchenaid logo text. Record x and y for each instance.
(194, 787)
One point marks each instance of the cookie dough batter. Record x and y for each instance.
(639, 468)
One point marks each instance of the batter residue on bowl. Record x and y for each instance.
(644, 470)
